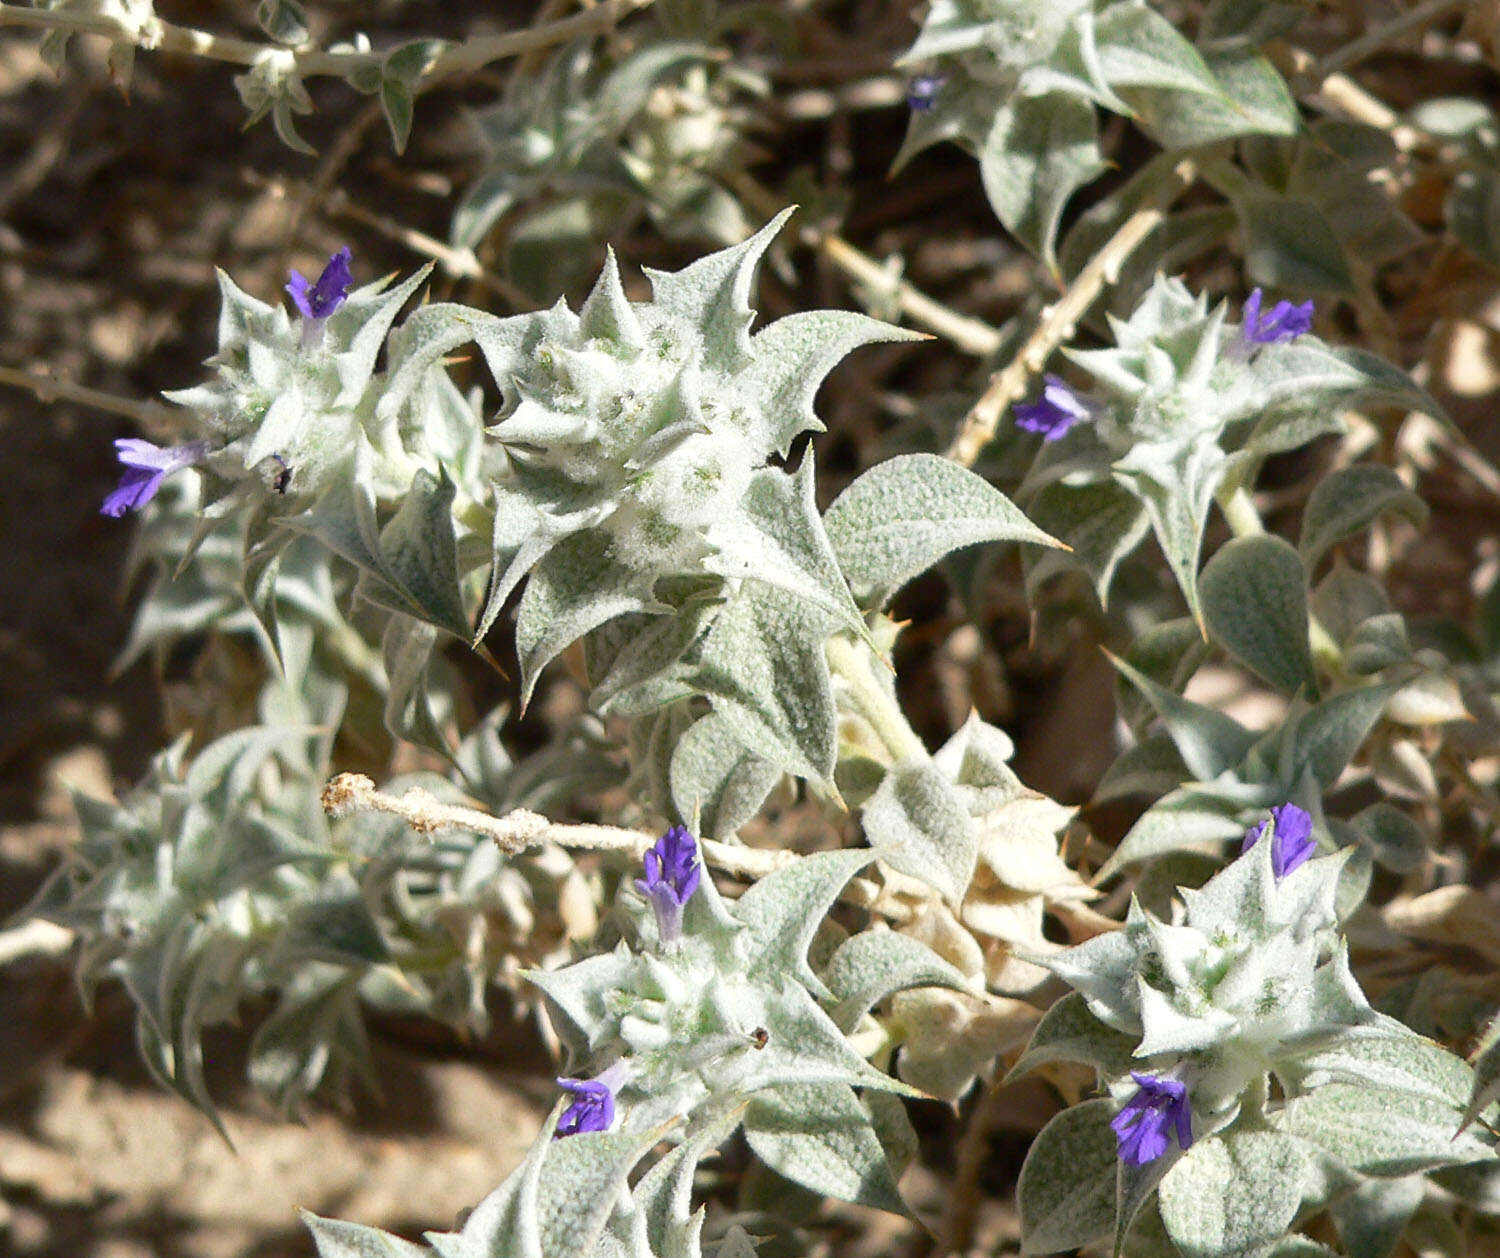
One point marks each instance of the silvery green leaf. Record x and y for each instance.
(365, 319)
(285, 21)
(1472, 211)
(1152, 766)
(1233, 1194)
(1254, 597)
(576, 587)
(1136, 1191)
(1372, 1218)
(425, 336)
(871, 965)
(1185, 818)
(792, 356)
(1069, 1032)
(1137, 47)
(1394, 839)
(1243, 25)
(344, 520)
(1176, 486)
(713, 294)
(919, 825)
(1388, 1055)
(780, 541)
(903, 515)
(783, 911)
(1486, 1073)
(311, 1032)
(716, 779)
(1253, 99)
(579, 998)
(1381, 1131)
(419, 554)
(1289, 243)
(411, 710)
(398, 105)
(1345, 599)
(1377, 644)
(336, 926)
(520, 539)
(581, 1178)
(762, 667)
(819, 1136)
(1102, 522)
(1066, 1190)
(1209, 742)
(1307, 373)
(1103, 971)
(642, 656)
(1038, 152)
(1167, 653)
(338, 1239)
(803, 1046)
(1349, 500)
(662, 1222)
(1323, 739)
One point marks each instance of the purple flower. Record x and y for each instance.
(1141, 1128)
(146, 466)
(1058, 409)
(318, 301)
(921, 92)
(1283, 322)
(593, 1107)
(672, 873)
(1291, 838)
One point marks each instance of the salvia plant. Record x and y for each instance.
(768, 913)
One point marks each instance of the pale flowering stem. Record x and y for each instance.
(35, 938)
(520, 828)
(349, 793)
(461, 58)
(973, 336)
(1059, 320)
(49, 389)
(1240, 512)
(1377, 37)
(850, 664)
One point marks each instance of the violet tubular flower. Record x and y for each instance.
(316, 300)
(1055, 413)
(922, 91)
(1142, 1128)
(672, 873)
(593, 1107)
(1291, 838)
(146, 466)
(1283, 322)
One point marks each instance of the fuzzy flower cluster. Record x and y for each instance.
(1247, 977)
(673, 870)
(1060, 407)
(147, 465)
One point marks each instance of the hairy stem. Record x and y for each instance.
(851, 663)
(50, 389)
(896, 897)
(456, 59)
(1239, 510)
